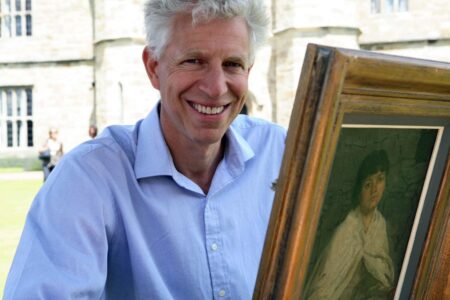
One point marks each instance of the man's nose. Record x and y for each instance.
(214, 82)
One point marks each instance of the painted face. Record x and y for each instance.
(372, 191)
(202, 77)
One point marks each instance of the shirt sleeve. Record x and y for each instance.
(376, 254)
(63, 250)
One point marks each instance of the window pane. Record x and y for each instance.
(7, 5)
(18, 25)
(16, 124)
(29, 102)
(19, 108)
(18, 130)
(28, 19)
(18, 5)
(28, 5)
(403, 5)
(375, 6)
(7, 26)
(30, 133)
(9, 109)
(9, 133)
(389, 5)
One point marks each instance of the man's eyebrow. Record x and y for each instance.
(199, 53)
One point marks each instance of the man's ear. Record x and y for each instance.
(151, 66)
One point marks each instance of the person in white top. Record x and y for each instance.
(51, 152)
(356, 263)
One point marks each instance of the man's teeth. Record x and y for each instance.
(208, 110)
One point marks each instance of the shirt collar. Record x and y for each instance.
(152, 154)
(153, 157)
(238, 151)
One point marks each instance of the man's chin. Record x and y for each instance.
(209, 138)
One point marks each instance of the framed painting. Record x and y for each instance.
(361, 208)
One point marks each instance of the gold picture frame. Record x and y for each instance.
(350, 103)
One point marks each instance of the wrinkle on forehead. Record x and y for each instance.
(238, 31)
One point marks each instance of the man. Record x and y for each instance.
(177, 206)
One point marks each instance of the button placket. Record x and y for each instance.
(217, 266)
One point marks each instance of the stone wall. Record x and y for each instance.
(123, 91)
(62, 30)
(81, 71)
(62, 97)
(422, 32)
(84, 57)
(424, 20)
(56, 61)
(295, 24)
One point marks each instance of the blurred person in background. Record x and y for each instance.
(92, 131)
(51, 152)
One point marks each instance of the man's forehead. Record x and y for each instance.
(205, 53)
(224, 26)
(227, 37)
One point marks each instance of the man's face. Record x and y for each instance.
(372, 191)
(202, 76)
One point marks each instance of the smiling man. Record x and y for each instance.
(176, 206)
(203, 83)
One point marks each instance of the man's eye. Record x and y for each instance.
(232, 64)
(193, 61)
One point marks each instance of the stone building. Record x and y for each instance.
(72, 63)
(415, 28)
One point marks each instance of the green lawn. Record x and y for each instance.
(11, 170)
(15, 199)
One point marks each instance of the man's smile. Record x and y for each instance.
(208, 110)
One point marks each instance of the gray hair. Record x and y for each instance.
(159, 15)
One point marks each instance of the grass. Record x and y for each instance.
(15, 199)
(11, 170)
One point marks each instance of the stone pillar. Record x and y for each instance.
(260, 78)
(123, 91)
(295, 24)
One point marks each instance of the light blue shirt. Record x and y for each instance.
(116, 220)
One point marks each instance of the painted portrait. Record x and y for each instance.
(368, 213)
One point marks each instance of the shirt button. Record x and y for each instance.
(222, 293)
(214, 246)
